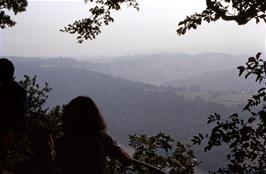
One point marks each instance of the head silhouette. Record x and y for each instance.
(6, 70)
(82, 117)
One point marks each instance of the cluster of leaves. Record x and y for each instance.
(164, 153)
(244, 135)
(89, 28)
(36, 95)
(229, 10)
(38, 112)
(16, 6)
(255, 66)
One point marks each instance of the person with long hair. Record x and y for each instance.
(85, 143)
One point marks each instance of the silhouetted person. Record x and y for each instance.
(86, 144)
(13, 106)
(42, 160)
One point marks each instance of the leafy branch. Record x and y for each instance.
(15, 6)
(101, 14)
(228, 10)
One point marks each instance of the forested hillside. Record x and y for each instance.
(160, 68)
(216, 80)
(130, 107)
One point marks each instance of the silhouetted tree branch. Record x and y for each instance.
(15, 6)
(229, 10)
(101, 14)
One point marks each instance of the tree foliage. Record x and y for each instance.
(101, 14)
(38, 112)
(245, 136)
(161, 152)
(15, 6)
(229, 10)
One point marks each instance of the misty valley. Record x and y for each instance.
(149, 94)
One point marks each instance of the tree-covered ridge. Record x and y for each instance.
(149, 107)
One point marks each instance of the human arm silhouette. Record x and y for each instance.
(114, 150)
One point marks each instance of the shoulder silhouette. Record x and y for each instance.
(13, 106)
(13, 99)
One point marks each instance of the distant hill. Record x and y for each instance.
(164, 67)
(216, 80)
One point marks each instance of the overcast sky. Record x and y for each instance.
(150, 30)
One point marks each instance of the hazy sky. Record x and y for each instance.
(150, 30)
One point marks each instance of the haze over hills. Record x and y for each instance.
(120, 99)
(70, 78)
(210, 71)
(160, 68)
(227, 79)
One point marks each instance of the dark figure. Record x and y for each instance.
(13, 106)
(85, 144)
(42, 160)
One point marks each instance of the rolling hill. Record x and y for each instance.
(160, 68)
(216, 81)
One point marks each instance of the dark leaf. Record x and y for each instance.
(251, 59)
(258, 55)
(261, 90)
(241, 70)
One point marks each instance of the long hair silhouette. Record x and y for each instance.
(85, 143)
(82, 117)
